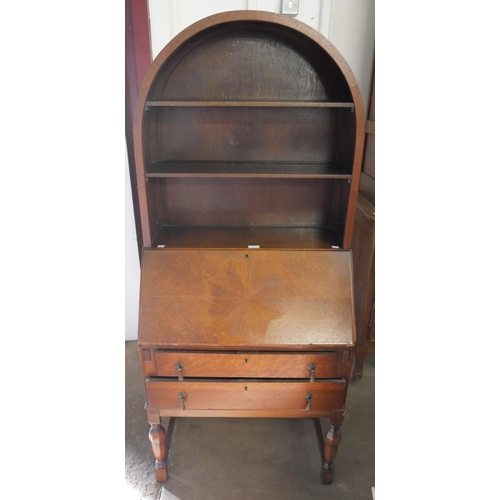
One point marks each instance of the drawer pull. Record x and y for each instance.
(179, 367)
(309, 397)
(311, 367)
(182, 397)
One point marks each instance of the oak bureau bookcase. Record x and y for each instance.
(248, 138)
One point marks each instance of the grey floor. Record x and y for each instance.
(245, 459)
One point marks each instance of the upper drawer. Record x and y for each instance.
(253, 365)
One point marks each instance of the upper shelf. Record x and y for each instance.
(247, 169)
(255, 104)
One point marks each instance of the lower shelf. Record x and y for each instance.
(245, 237)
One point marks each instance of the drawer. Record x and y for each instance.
(253, 365)
(245, 394)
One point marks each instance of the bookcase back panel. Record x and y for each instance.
(154, 192)
(230, 62)
(248, 202)
(253, 134)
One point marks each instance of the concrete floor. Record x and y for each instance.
(246, 459)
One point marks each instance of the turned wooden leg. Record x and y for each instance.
(157, 438)
(332, 442)
(160, 442)
(331, 445)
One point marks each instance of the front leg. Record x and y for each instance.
(157, 438)
(332, 442)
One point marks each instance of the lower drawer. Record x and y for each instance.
(261, 394)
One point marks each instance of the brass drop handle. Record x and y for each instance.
(311, 367)
(309, 397)
(179, 367)
(182, 397)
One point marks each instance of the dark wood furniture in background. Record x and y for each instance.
(137, 62)
(363, 249)
(249, 135)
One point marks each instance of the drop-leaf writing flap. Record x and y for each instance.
(246, 298)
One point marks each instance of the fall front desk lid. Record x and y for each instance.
(241, 299)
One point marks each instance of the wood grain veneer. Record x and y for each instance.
(248, 365)
(246, 298)
(245, 395)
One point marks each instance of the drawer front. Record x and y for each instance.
(261, 365)
(245, 395)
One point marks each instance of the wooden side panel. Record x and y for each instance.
(363, 248)
(367, 183)
(148, 362)
(367, 187)
(246, 298)
(369, 159)
(339, 207)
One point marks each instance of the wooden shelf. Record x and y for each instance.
(257, 104)
(242, 237)
(247, 169)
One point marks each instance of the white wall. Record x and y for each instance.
(352, 31)
(349, 25)
(132, 269)
(170, 17)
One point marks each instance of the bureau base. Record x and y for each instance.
(161, 438)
